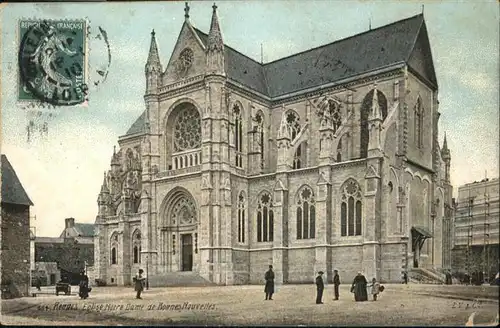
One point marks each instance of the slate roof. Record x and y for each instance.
(85, 229)
(12, 189)
(138, 125)
(404, 41)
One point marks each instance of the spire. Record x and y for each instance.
(215, 42)
(104, 187)
(445, 152)
(153, 57)
(186, 11)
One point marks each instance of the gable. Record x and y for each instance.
(420, 60)
(12, 189)
(188, 39)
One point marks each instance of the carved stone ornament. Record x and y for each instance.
(184, 62)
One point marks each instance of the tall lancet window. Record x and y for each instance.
(306, 214)
(238, 135)
(334, 111)
(114, 248)
(293, 122)
(136, 247)
(350, 209)
(418, 123)
(259, 118)
(265, 218)
(241, 218)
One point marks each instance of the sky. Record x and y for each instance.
(63, 172)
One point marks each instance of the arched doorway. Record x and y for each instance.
(180, 231)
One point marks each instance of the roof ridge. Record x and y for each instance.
(344, 39)
(414, 43)
(228, 46)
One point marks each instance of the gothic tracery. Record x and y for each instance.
(187, 129)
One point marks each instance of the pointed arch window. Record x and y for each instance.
(259, 118)
(241, 218)
(113, 255)
(299, 159)
(339, 151)
(351, 209)
(335, 114)
(238, 134)
(293, 123)
(136, 247)
(418, 123)
(265, 219)
(114, 248)
(306, 214)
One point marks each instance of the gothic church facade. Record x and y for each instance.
(327, 159)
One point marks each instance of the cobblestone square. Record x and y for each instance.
(400, 305)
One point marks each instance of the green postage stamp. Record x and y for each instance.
(53, 61)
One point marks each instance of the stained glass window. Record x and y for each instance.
(306, 214)
(187, 129)
(351, 209)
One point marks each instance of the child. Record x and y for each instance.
(375, 288)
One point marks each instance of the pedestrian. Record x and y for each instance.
(139, 284)
(375, 288)
(359, 288)
(38, 283)
(320, 286)
(269, 288)
(84, 289)
(405, 278)
(336, 283)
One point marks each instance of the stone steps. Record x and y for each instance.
(178, 279)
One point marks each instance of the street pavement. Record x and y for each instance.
(399, 305)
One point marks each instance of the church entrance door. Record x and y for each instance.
(187, 252)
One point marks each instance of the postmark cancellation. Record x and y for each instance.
(53, 61)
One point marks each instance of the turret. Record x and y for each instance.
(115, 162)
(102, 200)
(215, 47)
(446, 156)
(375, 126)
(153, 67)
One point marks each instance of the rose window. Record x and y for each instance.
(187, 130)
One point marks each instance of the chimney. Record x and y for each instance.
(70, 222)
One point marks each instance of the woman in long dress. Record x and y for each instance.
(359, 288)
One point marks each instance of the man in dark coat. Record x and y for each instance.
(359, 288)
(139, 283)
(319, 288)
(84, 286)
(269, 289)
(336, 283)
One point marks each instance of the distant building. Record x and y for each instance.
(15, 237)
(475, 228)
(72, 251)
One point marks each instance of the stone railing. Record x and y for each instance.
(186, 159)
(171, 173)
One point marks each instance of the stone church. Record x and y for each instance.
(326, 159)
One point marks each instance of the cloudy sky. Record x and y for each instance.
(63, 172)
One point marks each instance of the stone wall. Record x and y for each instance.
(15, 249)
